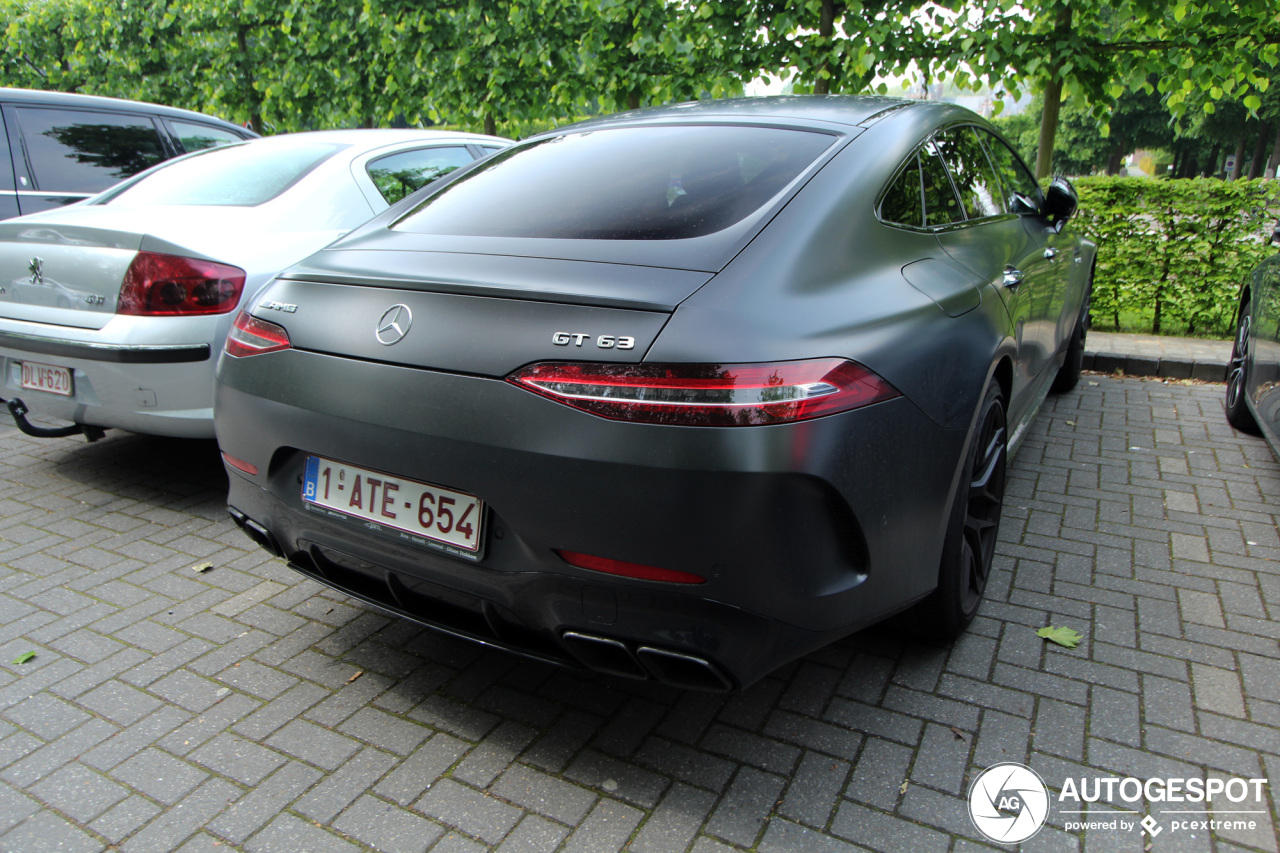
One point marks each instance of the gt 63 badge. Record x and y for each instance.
(564, 339)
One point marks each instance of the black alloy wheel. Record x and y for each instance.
(970, 546)
(1237, 408)
(1068, 375)
(984, 504)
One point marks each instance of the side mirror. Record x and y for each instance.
(1020, 203)
(1060, 202)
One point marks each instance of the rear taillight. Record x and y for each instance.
(251, 336)
(169, 285)
(708, 394)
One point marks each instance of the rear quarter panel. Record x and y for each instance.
(825, 279)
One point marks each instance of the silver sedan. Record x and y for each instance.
(112, 311)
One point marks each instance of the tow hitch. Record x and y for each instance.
(19, 410)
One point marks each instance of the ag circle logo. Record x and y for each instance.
(1008, 803)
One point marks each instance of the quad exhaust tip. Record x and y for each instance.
(255, 531)
(614, 657)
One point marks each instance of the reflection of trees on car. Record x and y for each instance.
(199, 143)
(395, 184)
(123, 149)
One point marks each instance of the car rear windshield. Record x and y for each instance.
(637, 183)
(233, 176)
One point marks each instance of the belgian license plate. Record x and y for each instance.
(46, 377)
(420, 510)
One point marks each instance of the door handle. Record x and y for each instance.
(1050, 254)
(1012, 277)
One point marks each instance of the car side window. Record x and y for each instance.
(197, 137)
(941, 207)
(398, 175)
(84, 151)
(974, 178)
(6, 164)
(1021, 192)
(903, 204)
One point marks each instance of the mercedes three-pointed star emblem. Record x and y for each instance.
(394, 325)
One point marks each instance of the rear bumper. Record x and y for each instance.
(803, 532)
(145, 374)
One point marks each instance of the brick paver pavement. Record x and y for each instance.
(243, 707)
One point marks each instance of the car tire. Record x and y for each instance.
(1236, 404)
(973, 528)
(1069, 373)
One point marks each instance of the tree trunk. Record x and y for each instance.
(1274, 162)
(826, 28)
(1211, 165)
(1259, 152)
(1190, 167)
(1052, 104)
(490, 125)
(633, 100)
(252, 98)
(1114, 161)
(1235, 167)
(1048, 128)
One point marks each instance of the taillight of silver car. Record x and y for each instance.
(708, 394)
(159, 285)
(251, 336)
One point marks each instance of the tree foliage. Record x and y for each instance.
(638, 54)
(1138, 120)
(294, 64)
(1196, 54)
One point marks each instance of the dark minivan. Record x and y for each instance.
(58, 148)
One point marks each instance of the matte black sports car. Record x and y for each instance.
(678, 394)
(1253, 375)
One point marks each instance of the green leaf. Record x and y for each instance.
(24, 657)
(1062, 636)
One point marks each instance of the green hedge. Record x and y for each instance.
(1172, 253)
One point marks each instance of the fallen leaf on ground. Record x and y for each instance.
(201, 567)
(902, 789)
(24, 657)
(959, 734)
(1062, 636)
(355, 675)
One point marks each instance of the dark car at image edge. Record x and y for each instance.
(58, 148)
(678, 394)
(1253, 374)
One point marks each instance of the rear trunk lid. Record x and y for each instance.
(65, 268)
(62, 274)
(480, 314)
